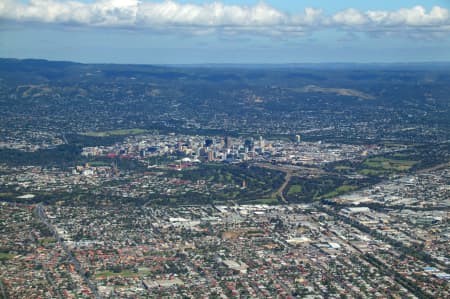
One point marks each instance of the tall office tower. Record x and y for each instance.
(228, 142)
(248, 143)
(298, 138)
(208, 142)
(210, 156)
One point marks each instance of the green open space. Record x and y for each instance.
(122, 132)
(388, 164)
(340, 190)
(294, 189)
(372, 172)
(306, 190)
(229, 183)
(262, 201)
(6, 256)
(44, 241)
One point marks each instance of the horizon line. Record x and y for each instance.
(420, 62)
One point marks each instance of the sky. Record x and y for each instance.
(226, 31)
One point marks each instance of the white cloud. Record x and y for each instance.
(410, 17)
(213, 17)
(350, 17)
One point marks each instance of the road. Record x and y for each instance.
(287, 178)
(81, 271)
(280, 191)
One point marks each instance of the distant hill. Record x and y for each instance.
(335, 102)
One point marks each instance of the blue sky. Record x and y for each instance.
(334, 5)
(193, 31)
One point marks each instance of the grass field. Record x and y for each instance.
(375, 172)
(340, 190)
(262, 201)
(124, 132)
(378, 165)
(294, 189)
(6, 256)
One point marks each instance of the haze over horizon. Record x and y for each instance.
(250, 32)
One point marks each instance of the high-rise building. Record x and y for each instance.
(228, 142)
(248, 143)
(210, 156)
(208, 142)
